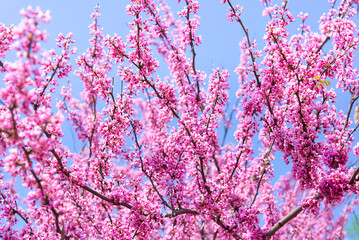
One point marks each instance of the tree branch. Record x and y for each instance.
(299, 209)
(177, 212)
(287, 218)
(263, 172)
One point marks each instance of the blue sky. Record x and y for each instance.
(220, 38)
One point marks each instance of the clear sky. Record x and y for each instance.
(220, 38)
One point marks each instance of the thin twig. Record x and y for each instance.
(245, 30)
(263, 172)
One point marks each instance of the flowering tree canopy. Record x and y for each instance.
(155, 161)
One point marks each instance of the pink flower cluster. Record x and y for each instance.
(154, 161)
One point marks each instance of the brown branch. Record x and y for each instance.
(263, 172)
(168, 44)
(226, 127)
(322, 45)
(58, 229)
(287, 218)
(248, 43)
(99, 195)
(218, 220)
(238, 158)
(127, 205)
(351, 133)
(299, 209)
(193, 52)
(181, 211)
(18, 213)
(37, 104)
(144, 171)
(355, 173)
(15, 211)
(107, 199)
(353, 98)
(185, 127)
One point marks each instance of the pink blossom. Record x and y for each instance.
(149, 158)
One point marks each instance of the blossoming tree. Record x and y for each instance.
(153, 162)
